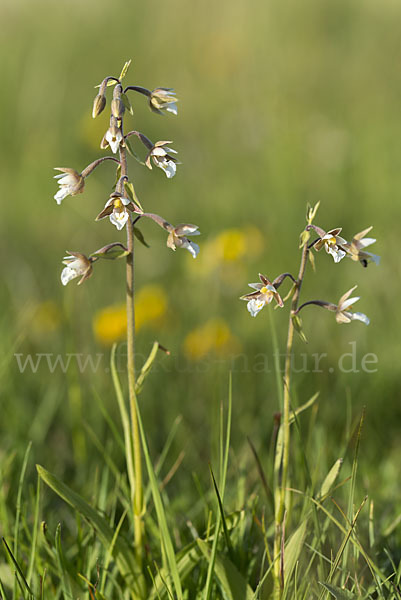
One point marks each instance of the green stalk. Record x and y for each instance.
(137, 493)
(280, 504)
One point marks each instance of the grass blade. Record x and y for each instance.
(62, 565)
(338, 593)
(125, 420)
(165, 537)
(18, 570)
(224, 463)
(292, 551)
(34, 533)
(231, 580)
(122, 553)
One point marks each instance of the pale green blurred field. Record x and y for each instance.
(281, 103)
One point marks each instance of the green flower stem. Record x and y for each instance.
(137, 493)
(280, 505)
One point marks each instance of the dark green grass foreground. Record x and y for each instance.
(280, 104)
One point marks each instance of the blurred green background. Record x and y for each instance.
(281, 103)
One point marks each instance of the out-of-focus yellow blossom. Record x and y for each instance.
(230, 248)
(213, 336)
(47, 318)
(110, 323)
(230, 245)
(150, 305)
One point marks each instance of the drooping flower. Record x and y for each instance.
(117, 208)
(113, 136)
(331, 241)
(160, 153)
(355, 248)
(264, 294)
(177, 238)
(163, 99)
(71, 183)
(343, 314)
(77, 265)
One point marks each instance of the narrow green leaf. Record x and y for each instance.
(18, 569)
(233, 583)
(146, 367)
(34, 533)
(312, 261)
(139, 236)
(132, 152)
(304, 238)
(129, 188)
(163, 454)
(62, 565)
(3, 595)
(223, 460)
(122, 553)
(296, 321)
(125, 420)
(19, 496)
(304, 407)
(222, 517)
(111, 254)
(330, 478)
(118, 176)
(127, 103)
(311, 212)
(292, 551)
(125, 69)
(338, 593)
(351, 497)
(160, 512)
(19, 584)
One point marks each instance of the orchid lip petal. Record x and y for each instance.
(360, 317)
(255, 306)
(68, 274)
(193, 249)
(119, 222)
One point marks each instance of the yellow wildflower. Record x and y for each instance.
(213, 336)
(230, 249)
(110, 323)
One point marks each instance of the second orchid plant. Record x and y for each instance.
(124, 210)
(264, 293)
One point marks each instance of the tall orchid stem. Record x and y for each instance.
(137, 493)
(280, 503)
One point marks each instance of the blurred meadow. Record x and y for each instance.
(280, 104)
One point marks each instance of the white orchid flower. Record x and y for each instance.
(77, 265)
(71, 183)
